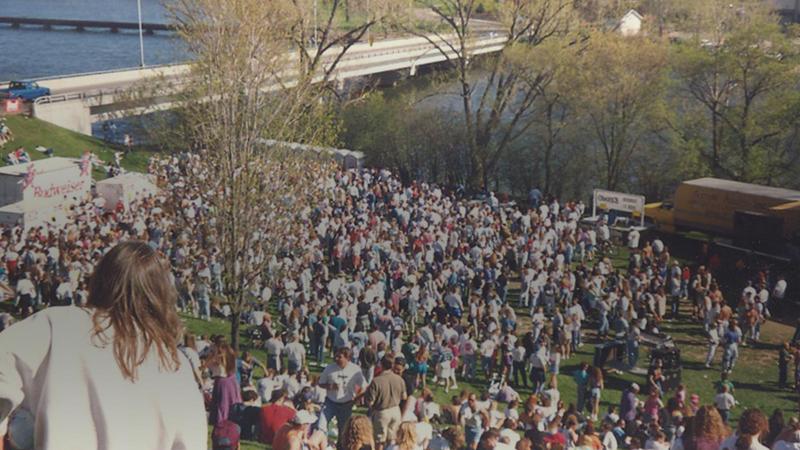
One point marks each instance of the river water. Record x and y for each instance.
(31, 52)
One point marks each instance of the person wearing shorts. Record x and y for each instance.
(472, 421)
(383, 396)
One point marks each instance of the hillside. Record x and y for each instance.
(31, 132)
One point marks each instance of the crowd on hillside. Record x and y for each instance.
(407, 288)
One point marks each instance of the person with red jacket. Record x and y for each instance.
(274, 415)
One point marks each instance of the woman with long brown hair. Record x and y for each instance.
(752, 426)
(357, 434)
(704, 431)
(109, 375)
(227, 391)
(406, 438)
(596, 385)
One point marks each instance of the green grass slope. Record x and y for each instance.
(30, 132)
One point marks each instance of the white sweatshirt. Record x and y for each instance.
(79, 399)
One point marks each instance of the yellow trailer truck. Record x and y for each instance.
(730, 208)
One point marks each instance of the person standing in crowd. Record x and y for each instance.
(128, 387)
(629, 403)
(274, 347)
(227, 391)
(724, 402)
(383, 396)
(274, 415)
(295, 354)
(581, 378)
(26, 294)
(633, 340)
(596, 385)
(538, 362)
(784, 357)
(731, 341)
(472, 419)
(706, 431)
(752, 427)
(343, 382)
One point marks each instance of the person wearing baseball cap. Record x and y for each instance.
(292, 435)
(627, 407)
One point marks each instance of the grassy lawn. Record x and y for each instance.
(755, 376)
(31, 132)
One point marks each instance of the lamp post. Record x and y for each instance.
(315, 24)
(141, 35)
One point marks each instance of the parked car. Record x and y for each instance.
(25, 90)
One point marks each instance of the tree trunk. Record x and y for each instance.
(715, 141)
(235, 331)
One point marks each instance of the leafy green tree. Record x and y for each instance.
(744, 81)
(496, 101)
(618, 88)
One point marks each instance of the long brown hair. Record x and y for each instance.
(131, 294)
(357, 433)
(752, 425)
(706, 424)
(406, 436)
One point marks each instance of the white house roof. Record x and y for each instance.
(41, 165)
(632, 13)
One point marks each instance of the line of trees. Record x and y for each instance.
(570, 104)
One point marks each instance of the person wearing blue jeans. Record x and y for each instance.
(470, 363)
(581, 378)
(634, 336)
(343, 381)
(202, 293)
(731, 340)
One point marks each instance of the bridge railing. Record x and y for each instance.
(57, 98)
(344, 63)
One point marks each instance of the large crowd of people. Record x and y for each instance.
(407, 288)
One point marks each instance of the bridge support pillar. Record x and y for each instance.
(72, 115)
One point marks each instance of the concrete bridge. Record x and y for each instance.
(77, 101)
(81, 25)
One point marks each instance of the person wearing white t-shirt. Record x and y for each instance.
(343, 382)
(274, 347)
(295, 354)
(724, 402)
(633, 239)
(779, 291)
(609, 440)
(26, 292)
(487, 355)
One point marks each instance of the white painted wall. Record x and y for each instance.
(630, 25)
(72, 115)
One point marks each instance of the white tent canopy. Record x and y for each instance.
(125, 188)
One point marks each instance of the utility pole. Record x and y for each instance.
(315, 24)
(141, 35)
(369, 31)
